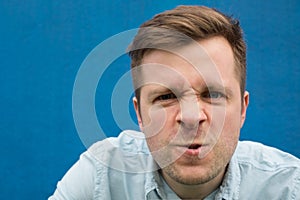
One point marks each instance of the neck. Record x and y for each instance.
(199, 191)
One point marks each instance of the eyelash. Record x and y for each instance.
(209, 95)
(165, 97)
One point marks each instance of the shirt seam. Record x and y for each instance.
(100, 170)
(297, 185)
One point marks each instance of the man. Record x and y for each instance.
(189, 69)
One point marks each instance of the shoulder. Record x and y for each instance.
(125, 141)
(265, 157)
(267, 172)
(128, 142)
(102, 170)
(128, 152)
(121, 165)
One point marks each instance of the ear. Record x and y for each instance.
(245, 104)
(137, 112)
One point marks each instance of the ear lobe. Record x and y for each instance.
(137, 112)
(245, 106)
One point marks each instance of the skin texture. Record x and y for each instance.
(191, 112)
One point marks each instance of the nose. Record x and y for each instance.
(191, 114)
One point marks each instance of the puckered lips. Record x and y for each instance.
(192, 149)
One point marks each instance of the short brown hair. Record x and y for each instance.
(195, 22)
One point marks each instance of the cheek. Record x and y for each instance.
(154, 119)
(224, 125)
(228, 137)
(159, 127)
(231, 127)
(217, 121)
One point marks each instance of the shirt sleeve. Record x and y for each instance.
(78, 182)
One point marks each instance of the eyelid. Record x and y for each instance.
(208, 94)
(168, 97)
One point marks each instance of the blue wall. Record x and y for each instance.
(43, 43)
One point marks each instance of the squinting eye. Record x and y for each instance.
(213, 95)
(166, 97)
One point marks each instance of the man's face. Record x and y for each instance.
(191, 110)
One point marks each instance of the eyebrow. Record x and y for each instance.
(218, 87)
(160, 89)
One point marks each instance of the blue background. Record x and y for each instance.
(43, 43)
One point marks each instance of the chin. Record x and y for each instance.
(191, 174)
(191, 179)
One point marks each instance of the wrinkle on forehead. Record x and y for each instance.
(166, 77)
(161, 75)
(180, 69)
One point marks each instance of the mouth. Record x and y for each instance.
(194, 146)
(191, 149)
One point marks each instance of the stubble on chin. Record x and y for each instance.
(199, 170)
(204, 175)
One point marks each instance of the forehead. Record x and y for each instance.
(207, 62)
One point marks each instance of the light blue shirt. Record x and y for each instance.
(123, 168)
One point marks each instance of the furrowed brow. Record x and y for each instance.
(220, 88)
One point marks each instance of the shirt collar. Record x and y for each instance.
(231, 183)
(153, 186)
